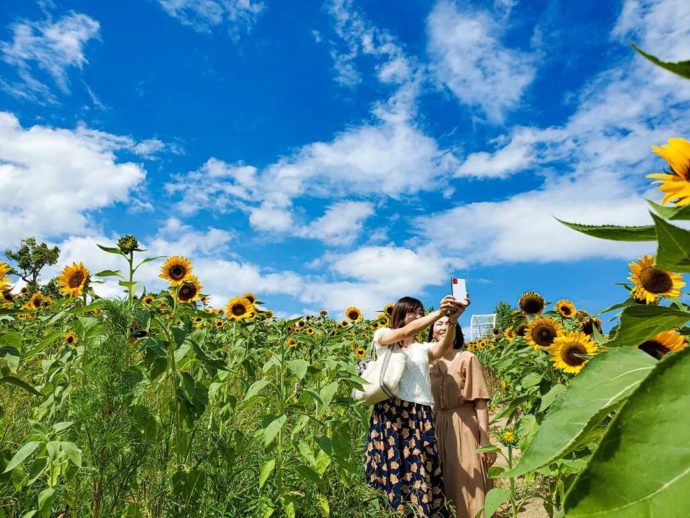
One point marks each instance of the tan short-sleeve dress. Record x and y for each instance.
(455, 385)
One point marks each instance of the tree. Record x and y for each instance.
(503, 315)
(31, 258)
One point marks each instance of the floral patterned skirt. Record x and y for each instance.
(402, 459)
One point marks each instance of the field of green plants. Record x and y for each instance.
(156, 404)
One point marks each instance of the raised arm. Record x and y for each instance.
(394, 336)
(457, 308)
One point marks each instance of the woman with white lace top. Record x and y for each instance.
(402, 457)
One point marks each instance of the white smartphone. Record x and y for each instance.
(459, 287)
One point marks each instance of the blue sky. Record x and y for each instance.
(323, 154)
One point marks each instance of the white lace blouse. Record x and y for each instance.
(415, 385)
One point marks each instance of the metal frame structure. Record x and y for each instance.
(482, 325)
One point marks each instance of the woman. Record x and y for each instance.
(401, 458)
(462, 421)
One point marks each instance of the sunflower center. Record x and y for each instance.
(565, 310)
(588, 327)
(75, 280)
(653, 348)
(543, 335)
(532, 305)
(177, 272)
(655, 280)
(238, 310)
(187, 291)
(353, 315)
(573, 353)
(520, 331)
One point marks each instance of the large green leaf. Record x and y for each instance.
(20, 383)
(614, 232)
(673, 253)
(642, 465)
(606, 381)
(273, 428)
(494, 498)
(682, 68)
(641, 322)
(672, 213)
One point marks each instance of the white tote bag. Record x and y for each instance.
(382, 376)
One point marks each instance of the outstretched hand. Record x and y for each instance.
(453, 307)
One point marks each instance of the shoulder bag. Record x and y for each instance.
(382, 375)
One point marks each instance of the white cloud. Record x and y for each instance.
(361, 37)
(52, 178)
(341, 224)
(593, 166)
(470, 60)
(380, 275)
(204, 15)
(53, 47)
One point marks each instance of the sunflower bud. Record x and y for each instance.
(128, 244)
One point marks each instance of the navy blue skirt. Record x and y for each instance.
(402, 459)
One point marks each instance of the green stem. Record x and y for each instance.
(513, 497)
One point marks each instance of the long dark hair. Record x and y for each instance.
(404, 306)
(458, 341)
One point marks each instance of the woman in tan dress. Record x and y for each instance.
(462, 423)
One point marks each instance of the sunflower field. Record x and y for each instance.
(157, 404)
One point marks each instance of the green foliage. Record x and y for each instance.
(503, 314)
(641, 465)
(614, 232)
(681, 68)
(30, 258)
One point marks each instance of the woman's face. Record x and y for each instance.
(413, 315)
(440, 328)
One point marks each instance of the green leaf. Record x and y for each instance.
(532, 379)
(265, 471)
(73, 453)
(11, 339)
(494, 498)
(673, 253)
(19, 383)
(148, 260)
(22, 455)
(109, 249)
(606, 381)
(681, 68)
(299, 367)
(45, 501)
(328, 392)
(548, 398)
(641, 322)
(109, 273)
(255, 388)
(641, 467)
(681, 213)
(273, 428)
(322, 503)
(614, 232)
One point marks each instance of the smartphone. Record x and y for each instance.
(459, 287)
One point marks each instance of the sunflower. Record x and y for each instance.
(36, 301)
(566, 308)
(353, 314)
(203, 299)
(269, 314)
(198, 319)
(250, 297)
(238, 308)
(588, 326)
(531, 303)
(73, 280)
(4, 281)
(147, 300)
(508, 437)
(310, 330)
(542, 331)
(521, 330)
(509, 334)
(676, 185)
(383, 320)
(374, 325)
(570, 350)
(323, 313)
(189, 289)
(176, 269)
(70, 338)
(664, 343)
(219, 323)
(652, 283)
(388, 309)
(291, 343)
(360, 353)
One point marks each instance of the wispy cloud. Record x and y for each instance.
(239, 16)
(468, 57)
(51, 47)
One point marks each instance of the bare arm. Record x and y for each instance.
(483, 418)
(439, 348)
(393, 336)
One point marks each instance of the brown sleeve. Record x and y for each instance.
(475, 385)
